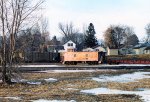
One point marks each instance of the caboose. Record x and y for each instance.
(91, 58)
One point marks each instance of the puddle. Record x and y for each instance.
(145, 94)
(124, 78)
(42, 100)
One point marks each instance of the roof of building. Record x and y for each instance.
(98, 46)
(70, 41)
(142, 45)
(88, 49)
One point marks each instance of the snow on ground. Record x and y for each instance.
(13, 98)
(123, 78)
(71, 71)
(19, 80)
(42, 100)
(97, 91)
(69, 89)
(50, 80)
(34, 83)
(145, 95)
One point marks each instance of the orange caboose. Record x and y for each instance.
(73, 58)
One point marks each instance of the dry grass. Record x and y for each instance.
(131, 86)
(68, 87)
(78, 75)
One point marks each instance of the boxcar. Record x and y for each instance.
(72, 58)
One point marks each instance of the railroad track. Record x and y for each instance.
(80, 67)
(43, 67)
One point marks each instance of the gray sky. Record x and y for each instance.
(102, 13)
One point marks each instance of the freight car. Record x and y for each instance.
(33, 57)
(129, 59)
(91, 58)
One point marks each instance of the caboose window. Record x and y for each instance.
(86, 55)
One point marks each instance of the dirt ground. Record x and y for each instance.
(68, 87)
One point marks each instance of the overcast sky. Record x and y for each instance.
(102, 13)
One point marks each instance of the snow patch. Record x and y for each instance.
(97, 91)
(19, 80)
(50, 80)
(67, 71)
(34, 83)
(70, 89)
(13, 98)
(123, 78)
(145, 95)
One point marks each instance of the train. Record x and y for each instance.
(91, 58)
(68, 58)
(73, 58)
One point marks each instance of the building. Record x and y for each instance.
(112, 51)
(54, 45)
(126, 50)
(54, 48)
(99, 49)
(70, 46)
(140, 48)
(147, 50)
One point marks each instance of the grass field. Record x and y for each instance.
(68, 87)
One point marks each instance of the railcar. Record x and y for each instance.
(33, 57)
(72, 58)
(129, 59)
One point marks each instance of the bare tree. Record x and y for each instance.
(131, 38)
(147, 28)
(120, 36)
(44, 24)
(14, 14)
(68, 31)
(113, 36)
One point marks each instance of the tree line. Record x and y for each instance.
(115, 36)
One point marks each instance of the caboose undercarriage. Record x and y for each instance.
(77, 62)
